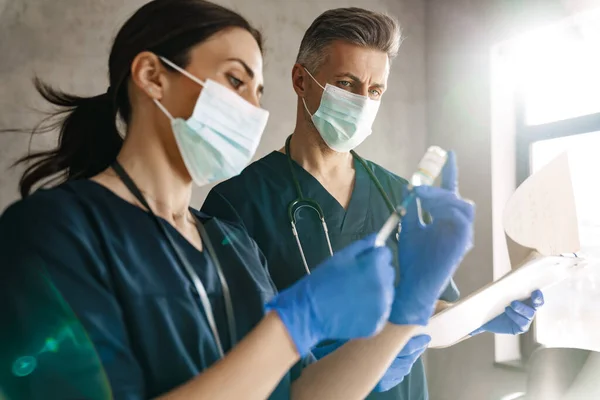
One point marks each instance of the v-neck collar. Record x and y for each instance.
(358, 207)
(339, 220)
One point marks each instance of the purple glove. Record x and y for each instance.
(516, 318)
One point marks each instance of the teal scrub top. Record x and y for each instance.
(258, 200)
(95, 303)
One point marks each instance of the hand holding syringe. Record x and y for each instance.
(429, 168)
(392, 222)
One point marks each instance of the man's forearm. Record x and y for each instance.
(352, 371)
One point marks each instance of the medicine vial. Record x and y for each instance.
(430, 167)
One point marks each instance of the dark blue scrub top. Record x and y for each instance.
(258, 199)
(116, 271)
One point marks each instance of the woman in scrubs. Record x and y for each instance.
(171, 299)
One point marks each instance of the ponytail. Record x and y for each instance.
(88, 143)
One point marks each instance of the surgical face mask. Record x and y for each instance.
(220, 138)
(343, 119)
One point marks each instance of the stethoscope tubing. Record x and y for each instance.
(300, 201)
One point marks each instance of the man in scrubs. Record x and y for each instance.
(340, 77)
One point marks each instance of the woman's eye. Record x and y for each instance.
(235, 82)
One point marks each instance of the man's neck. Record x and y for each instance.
(309, 150)
(335, 171)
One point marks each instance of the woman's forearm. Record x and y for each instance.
(251, 370)
(352, 371)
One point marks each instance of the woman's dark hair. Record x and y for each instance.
(89, 140)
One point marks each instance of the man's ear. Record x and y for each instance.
(299, 80)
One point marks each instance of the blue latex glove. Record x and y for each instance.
(403, 363)
(347, 296)
(449, 179)
(516, 318)
(428, 255)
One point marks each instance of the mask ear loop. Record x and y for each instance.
(163, 109)
(183, 71)
(306, 108)
(317, 82)
(313, 78)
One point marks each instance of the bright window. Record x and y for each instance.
(558, 69)
(584, 160)
(552, 76)
(568, 325)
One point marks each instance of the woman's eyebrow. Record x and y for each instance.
(249, 70)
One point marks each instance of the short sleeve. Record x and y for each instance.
(296, 370)
(451, 293)
(216, 205)
(67, 319)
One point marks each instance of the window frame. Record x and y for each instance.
(526, 136)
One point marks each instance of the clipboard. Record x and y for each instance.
(541, 222)
(454, 323)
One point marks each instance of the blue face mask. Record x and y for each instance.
(343, 119)
(220, 138)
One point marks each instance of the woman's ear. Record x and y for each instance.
(148, 75)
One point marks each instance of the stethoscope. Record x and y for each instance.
(302, 202)
(198, 285)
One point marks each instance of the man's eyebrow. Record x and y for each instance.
(357, 79)
(246, 67)
(348, 75)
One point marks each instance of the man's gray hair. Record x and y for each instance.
(353, 25)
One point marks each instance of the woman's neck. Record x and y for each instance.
(155, 174)
(156, 167)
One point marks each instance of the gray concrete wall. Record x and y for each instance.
(66, 42)
(459, 37)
